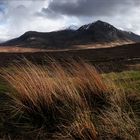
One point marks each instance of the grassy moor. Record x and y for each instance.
(69, 70)
(72, 101)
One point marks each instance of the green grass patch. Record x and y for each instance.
(129, 80)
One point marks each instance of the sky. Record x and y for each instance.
(19, 16)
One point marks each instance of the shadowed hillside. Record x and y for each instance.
(92, 34)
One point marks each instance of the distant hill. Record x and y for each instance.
(98, 32)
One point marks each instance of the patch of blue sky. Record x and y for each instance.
(2, 7)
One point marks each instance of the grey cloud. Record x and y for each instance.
(2, 11)
(49, 13)
(88, 7)
(2, 7)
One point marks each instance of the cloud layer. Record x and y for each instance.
(90, 7)
(17, 17)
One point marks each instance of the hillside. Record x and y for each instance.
(108, 59)
(94, 35)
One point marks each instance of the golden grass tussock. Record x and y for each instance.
(71, 101)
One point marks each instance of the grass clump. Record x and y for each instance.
(72, 101)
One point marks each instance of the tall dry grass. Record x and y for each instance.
(69, 102)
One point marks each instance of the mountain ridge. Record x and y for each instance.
(98, 32)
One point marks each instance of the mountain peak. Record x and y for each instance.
(97, 25)
(100, 22)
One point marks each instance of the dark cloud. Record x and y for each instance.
(49, 13)
(88, 7)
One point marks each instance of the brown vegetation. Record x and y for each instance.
(71, 102)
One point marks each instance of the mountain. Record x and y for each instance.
(98, 32)
(102, 31)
